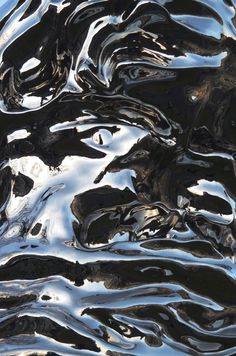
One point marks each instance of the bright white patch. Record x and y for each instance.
(17, 135)
(30, 64)
(32, 102)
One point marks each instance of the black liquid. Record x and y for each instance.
(117, 180)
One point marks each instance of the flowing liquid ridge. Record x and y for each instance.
(118, 189)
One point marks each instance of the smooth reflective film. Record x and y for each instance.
(117, 176)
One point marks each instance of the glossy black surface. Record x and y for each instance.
(117, 177)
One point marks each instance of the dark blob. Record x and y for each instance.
(100, 198)
(22, 185)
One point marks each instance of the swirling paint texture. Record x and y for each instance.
(117, 177)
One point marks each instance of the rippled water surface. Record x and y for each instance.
(118, 186)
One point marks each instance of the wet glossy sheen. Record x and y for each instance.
(118, 188)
